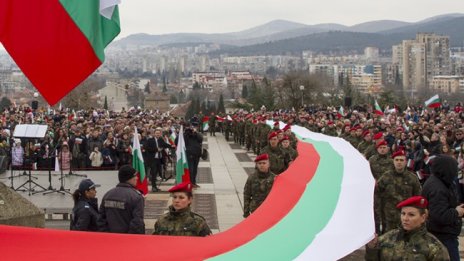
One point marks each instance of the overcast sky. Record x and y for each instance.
(219, 16)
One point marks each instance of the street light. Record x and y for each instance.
(302, 92)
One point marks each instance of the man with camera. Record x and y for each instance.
(193, 149)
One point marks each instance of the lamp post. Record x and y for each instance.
(302, 93)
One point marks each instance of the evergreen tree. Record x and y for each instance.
(105, 105)
(245, 91)
(221, 107)
(147, 87)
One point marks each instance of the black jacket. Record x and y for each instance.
(440, 191)
(121, 210)
(85, 215)
(193, 143)
(151, 149)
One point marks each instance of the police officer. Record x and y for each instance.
(258, 185)
(122, 207)
(411, 241)
(85, 215)
(180, 220)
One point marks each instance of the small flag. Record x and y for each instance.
(377, 109)
(220, 119)
(229, 118)
(137, 164)
(340, 112)
(182, 170)
(433, 102)
(205, 123)
(172, 137)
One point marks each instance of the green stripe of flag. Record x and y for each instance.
(98, 30)
(320, 198)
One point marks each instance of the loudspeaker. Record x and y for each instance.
(347, 101)
(35, 105)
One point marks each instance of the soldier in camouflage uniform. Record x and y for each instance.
(258, 185)
(241, 132)
(227, 129)
(263, 135)
(394, 186)
(276, 155)
(291, 136)
(248, 133)
(330, 129)
(379, 163)
(411, 241)
(371, 150)
(290, 153)
(180, 220)
(367, 141)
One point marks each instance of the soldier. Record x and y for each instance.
(212, 124)
(379, 164)
(411, 241)
(276, 156)
(180, 220)
(290, 153)
(258, 185)
(227, 129)
(366, 142)
(394, 186)
(372, 149)
(288, 132)
(330, 129)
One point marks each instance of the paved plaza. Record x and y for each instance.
(219, 199)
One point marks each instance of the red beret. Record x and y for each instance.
(330, 123)
(415, 201)
(365, 133)
(378, 136)
(279, 131)
(381, 143)
(182, 187)
(249, 116)
(272, 135)
(354, 128)
(276, 124)
(287, 127)
(285, 138)
(398, 153)
(261, 157)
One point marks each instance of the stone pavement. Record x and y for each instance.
(219, 199)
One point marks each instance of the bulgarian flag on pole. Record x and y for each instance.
(377, 109)
(433, 102)
(182, 169)
(205, 123)
(58, 43)
(137, 164)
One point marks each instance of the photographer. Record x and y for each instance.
(193, 148)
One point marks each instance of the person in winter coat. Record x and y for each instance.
(85, 215)
(446, 213)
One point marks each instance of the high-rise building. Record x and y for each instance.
(421, 59)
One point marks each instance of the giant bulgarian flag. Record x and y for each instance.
(320, 208)
(182, 169)
(58, 43)
(137, 164)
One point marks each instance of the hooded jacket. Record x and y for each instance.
(440, 191)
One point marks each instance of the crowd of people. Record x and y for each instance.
(405, 149)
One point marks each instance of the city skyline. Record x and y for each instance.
(206, 16)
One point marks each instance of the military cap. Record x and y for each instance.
(415, 201)
(182, 187)
(330, 123)
(285, 138)
(365, 133)
(398, 153)
(378, 136)
(287, 127)
(272, 135)
(276, 124)
(355, 128)
(261, 157)
(279, 131)
(249, 116)
(381, 143)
